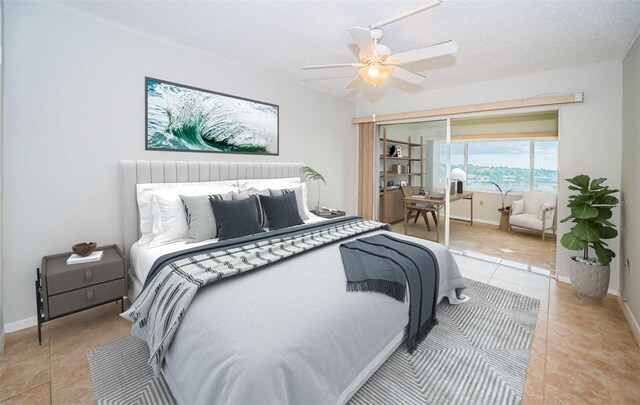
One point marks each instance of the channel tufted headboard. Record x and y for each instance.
(142, 171)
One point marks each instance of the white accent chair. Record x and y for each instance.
(535, 211)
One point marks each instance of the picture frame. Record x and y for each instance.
(183, 118)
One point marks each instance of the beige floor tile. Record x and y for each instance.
(486, 240)
(87, 330)
(71, 380)
(40, 395)
(535, 380)
(25, 363)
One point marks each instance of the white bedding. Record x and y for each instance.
(287, 334)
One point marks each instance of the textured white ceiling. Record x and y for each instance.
(496, 38)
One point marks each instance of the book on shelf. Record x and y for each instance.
(93, 257)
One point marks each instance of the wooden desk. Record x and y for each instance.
(439, 203)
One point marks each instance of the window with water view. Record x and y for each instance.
(519, 165)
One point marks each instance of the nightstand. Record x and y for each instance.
(63, 289)
(327, 214)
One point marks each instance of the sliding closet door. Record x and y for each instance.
(366, 169)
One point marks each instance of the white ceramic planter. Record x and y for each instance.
(590, 282)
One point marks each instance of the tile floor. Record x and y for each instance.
(518, 249)
(582, 353)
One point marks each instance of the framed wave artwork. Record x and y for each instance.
(188, 119)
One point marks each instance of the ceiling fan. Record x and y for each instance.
(376, 62)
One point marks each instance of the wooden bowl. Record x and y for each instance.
(84, 249)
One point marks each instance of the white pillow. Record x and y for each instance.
(169, 219)
(265, 184)
(304, 200)
(144, 194)
(517, 207)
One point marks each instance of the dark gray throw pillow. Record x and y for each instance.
(262, 218)
(236, 218)
(299, 200)
(281, 211)
(202, 223)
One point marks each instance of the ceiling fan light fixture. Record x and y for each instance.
(375, 74)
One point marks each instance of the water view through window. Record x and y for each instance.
(513, 164)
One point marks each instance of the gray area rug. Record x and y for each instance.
(120, 375)
(478, 354)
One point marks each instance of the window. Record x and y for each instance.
(515, 164)
(457, 159)
(545, 166)
(504, 162)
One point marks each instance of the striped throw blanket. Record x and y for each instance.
(175, 279)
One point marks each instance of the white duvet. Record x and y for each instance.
(286, 334)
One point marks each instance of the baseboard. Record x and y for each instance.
(567, 280)
(479, 220)
(21, 324)
(631, 320)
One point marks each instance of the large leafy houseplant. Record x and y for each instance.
(310, 173)
(591, 209)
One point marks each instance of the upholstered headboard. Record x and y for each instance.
(141, 171)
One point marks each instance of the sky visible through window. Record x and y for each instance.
(506, 162)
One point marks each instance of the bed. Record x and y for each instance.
(287, 334)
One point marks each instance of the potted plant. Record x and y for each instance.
(591, 209)
(311, 174)
(503, 195)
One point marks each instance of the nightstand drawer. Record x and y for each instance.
(84, 277)
(86, 297)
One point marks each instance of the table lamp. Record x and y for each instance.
(459, 176)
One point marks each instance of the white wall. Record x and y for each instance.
(590, 132)
(74, 98)
(1, 47)
(630, 227)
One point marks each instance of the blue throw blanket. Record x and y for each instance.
(385, 264)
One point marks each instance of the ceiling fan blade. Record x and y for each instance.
(405, 15)
(362, 37)
(335, 65)
(407, 76)
(354, 82)
(444, 48)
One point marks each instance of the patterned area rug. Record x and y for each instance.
(120, 375)
(478, 354)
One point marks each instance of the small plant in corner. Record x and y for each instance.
(591, 208)
(311, 174)
(503, 195)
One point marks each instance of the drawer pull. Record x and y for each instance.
(88, 275)
(90, 294)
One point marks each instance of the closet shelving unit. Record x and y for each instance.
(390, 207)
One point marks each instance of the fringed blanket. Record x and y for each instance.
(384, 264)
(176, 278)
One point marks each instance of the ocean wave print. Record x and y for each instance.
(187, 119)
